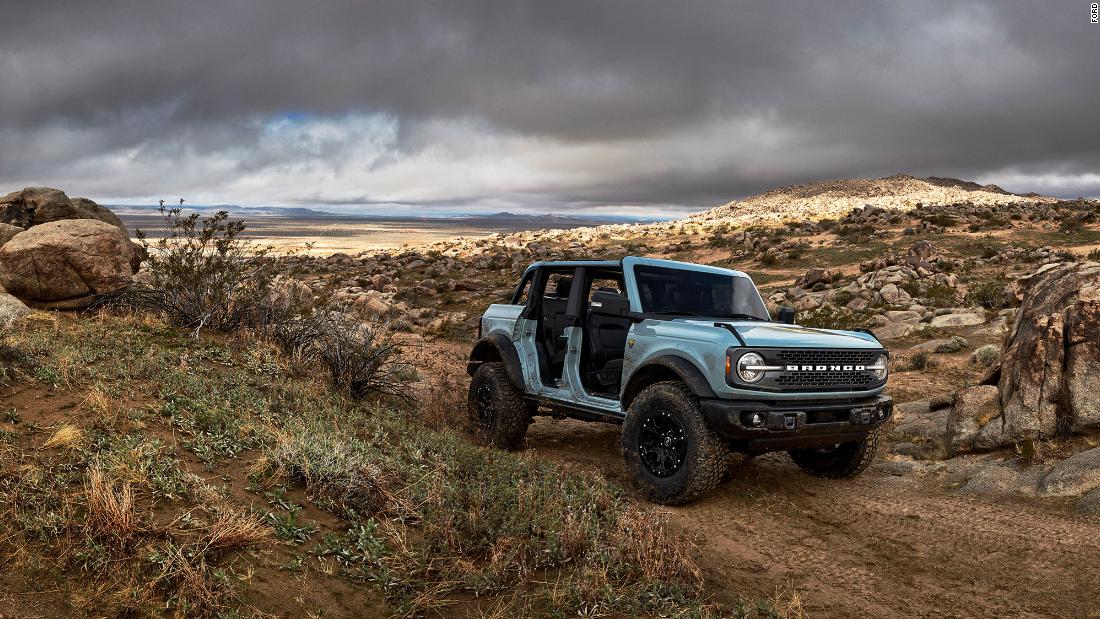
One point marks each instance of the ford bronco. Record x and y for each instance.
(687, 358)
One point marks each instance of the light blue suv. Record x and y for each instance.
(687, 358)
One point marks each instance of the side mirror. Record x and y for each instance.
(609, 304)
(786, 315)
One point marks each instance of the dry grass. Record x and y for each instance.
(233, 530)
(67, 436)
(110, 508)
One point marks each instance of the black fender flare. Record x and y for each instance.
(497, 347)
(665, 367)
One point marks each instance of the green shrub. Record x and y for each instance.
(362, 359)
(203, 275)
(921, 361)
(955, 344)
(988, 293)
(1093, 255)
(984, 356)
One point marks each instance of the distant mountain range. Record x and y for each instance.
(545, 220)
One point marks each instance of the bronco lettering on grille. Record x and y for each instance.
(826, 368)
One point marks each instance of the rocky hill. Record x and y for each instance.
(835, 198)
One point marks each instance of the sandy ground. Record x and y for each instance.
(879, 545)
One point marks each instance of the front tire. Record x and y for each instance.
(674, 457)
(498, 414)
(842, 461)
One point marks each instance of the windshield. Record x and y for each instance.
(681, 292)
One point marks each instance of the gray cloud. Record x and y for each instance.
(541, 104)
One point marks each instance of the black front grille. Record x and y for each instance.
(825, 379)
(850, 357)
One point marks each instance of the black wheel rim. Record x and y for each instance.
(662, 444)
(485, 406)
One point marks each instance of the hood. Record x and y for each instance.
(780, 335)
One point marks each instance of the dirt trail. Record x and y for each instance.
(880, 545)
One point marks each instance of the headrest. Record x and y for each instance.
(563, 287)
(603, 294)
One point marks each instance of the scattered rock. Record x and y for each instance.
(920, 254)
(11, 310)
(814, 276)
(993, 479)
(1073, 476)
(958, 319)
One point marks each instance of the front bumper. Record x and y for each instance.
(793, 424)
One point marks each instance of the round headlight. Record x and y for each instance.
(881, 362)
(747, 360)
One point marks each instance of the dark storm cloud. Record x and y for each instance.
(538, 103)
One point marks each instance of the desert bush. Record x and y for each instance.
(362, 359)
(920, 361)
(988, 293)
(1070, 222)
(984, 356)
(938, 219)
(1093, 255)
(202, 274)
(955, 344)
(1066, 255)
(988, 250)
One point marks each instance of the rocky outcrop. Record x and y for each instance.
(1048, 377)
(63, 264)
(32, 206)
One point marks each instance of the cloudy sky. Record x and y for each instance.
(594, 105)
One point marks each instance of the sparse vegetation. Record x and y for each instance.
(988, 293)
(362, 359)
(955, 344)
(984, 356)
(920, 361)
(829, 316)
(427, 517)
(203, 275)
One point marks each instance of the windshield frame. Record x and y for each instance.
(752, 308)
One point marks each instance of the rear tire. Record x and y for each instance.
(668, 448)
(498, 414)
(841, 461)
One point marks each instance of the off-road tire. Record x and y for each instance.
(510, 415)
(707, 456)
(841, 462)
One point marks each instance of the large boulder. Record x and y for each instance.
(1048, 377)
(63, 264)
(32, 206)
